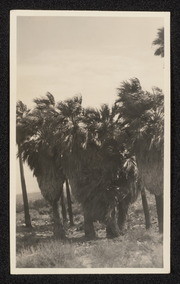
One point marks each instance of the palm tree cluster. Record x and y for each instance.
(142, 115)
(107, 155)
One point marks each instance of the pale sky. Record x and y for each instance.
(90, 56)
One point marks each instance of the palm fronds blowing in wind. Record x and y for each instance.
(107, 154)
(159, 43)
(39, 151)
(21, 134)
(143, 127)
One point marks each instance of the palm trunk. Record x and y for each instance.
(122, 214)
(64, 214)
(145, 208)
(24, 193)
(112, 229)
(88, 226)
(69, 203)
(58, 227)
(159, 207)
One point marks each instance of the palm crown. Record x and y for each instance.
(159, 41)
(101, 151)
(142, 130)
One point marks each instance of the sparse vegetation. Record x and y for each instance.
(144, 251)
(136, 248)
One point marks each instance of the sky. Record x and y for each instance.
(90, 56)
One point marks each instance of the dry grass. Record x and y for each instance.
(49, 254)
(137, 248)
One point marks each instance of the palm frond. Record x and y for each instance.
(160, 42)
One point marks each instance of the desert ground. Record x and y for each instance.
(37, 248)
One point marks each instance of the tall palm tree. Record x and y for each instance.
(22, 111)
(40, 152)
(159, 41)
(91, 157)
(71, 137)
(142, 120)
(78, 160)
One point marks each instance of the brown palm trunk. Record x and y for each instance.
(59, 232)
(112, 229)
(64, 213)
(159, 207)
(145, 208)
(69, 203)
(88, 226)
(122, 214)
(24, 193)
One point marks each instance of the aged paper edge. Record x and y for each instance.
(13, 76)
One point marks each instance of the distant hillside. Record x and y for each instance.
(32, 196)
(35, 200)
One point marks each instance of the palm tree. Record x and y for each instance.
(22, 111)
(159, 41)
(41, 155)
(91, 158)
(76, 160)
(143, 126)
(105, 158)
(71, 137)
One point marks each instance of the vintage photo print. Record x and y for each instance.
(89, 142)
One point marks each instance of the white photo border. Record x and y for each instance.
(13, 81)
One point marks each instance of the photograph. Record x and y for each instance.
(89, 142)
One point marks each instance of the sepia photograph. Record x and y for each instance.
(89, 142)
